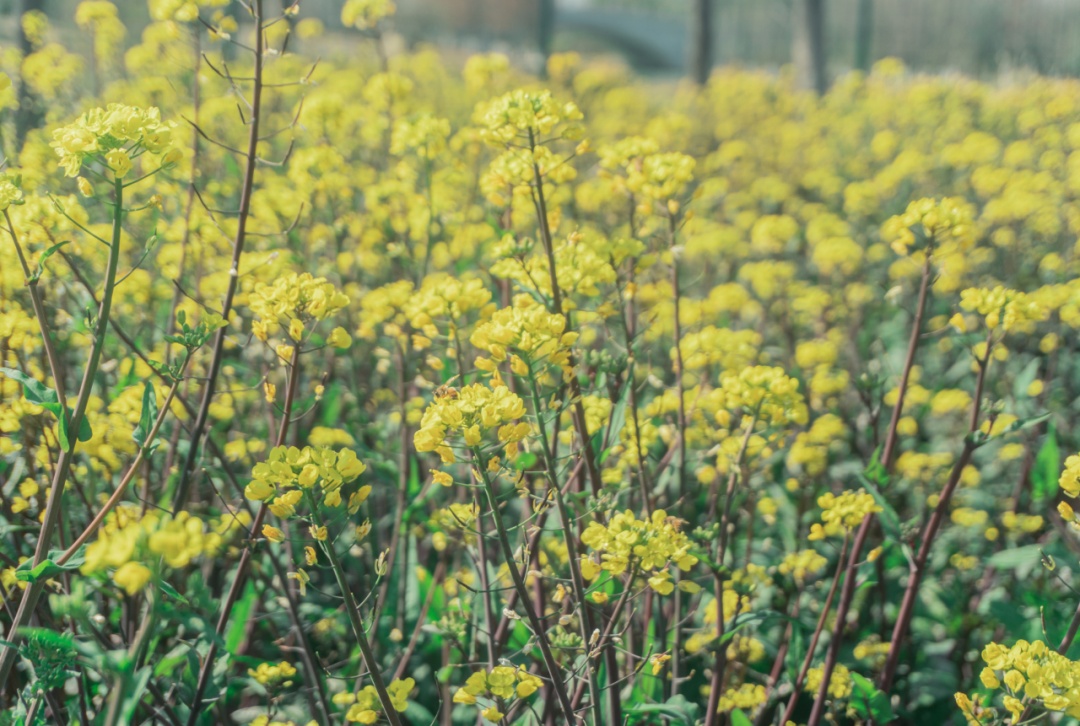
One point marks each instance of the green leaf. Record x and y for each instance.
(235, 634)
(875, 470)
(869, 701)
(610, 433)
(1021, 559)
(26, 572)
(1044, 475)
(33, 390)
(890, 520)
(38, 393)
(744, 619)
(677, 708)
(46, 254)
(738, 718)
(134, 694)
(45, 570)
(171, 592)
(525, 460)
(146, 418)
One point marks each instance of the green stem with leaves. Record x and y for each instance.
(53, 507)
(554, 674)
(352, 609)
(576, 579)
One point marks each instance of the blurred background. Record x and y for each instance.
(823, 38)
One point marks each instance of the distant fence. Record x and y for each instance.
(978, 37)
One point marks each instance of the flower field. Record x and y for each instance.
(394, 389)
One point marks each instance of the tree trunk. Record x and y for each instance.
(29, 115)
(808, 44)
(546, 28)
(864, 34)
(701, 41)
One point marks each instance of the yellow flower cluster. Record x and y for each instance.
(279, 675)
(660, 177)
(648, 545)
(522, 113)
(364, 705)
(1010, 310)
(1032, 673)
(527, 332)
(10, 193)
(503, 682)
(944, 223)
(580, 267)
(802, 564)
(114, 135)
(473, 410)
(294, 300)
(1070, 476)
(288, 472)
(840, 514)
(840, 683)
(132, 544)
(366, 14)
(765, 392)
(746, 697)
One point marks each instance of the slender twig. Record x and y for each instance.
(247, 190)
(352, 609)
(554, 674)
(812, 646)
(847, 593)
(929, 533)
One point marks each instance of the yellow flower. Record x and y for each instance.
(302, 580)
(492, 714)
(119, 161)
(132, 577)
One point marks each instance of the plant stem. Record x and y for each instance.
(39, 313)
(720, 662)
(847, 593)
(352, 609)
(245, 557)
(808, 660)
(183, 488)
(929, 533)
(557, 307)
(53, 507)
(113, 500)
(523, 594)
(569, 536)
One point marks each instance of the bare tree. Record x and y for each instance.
(808, 44)
(701, 41)
(546, 28)
(864, 33)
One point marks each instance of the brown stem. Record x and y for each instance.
(537, 625)
(436, 583)
(720, 662)
(43, 322)
(848, 591)
(605, 640)
(929, 533)
(809, 659)
(119, 492)
(240, 578)
(197, 429)
(557, 307)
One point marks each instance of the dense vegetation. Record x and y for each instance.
(381, 390)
